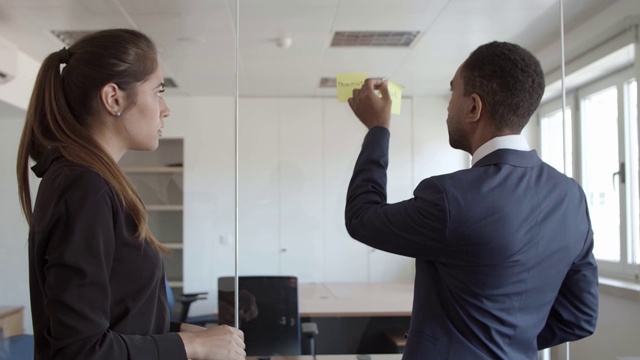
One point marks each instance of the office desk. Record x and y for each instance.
(352, 317)
(333, 357)
(11, 320)
(355, 299)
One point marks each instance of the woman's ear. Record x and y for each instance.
(112, 99)
(475, 108)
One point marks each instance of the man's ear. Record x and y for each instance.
(112, 99)
(475, 108)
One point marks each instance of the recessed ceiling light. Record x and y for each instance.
(374, 38)
(192, 39)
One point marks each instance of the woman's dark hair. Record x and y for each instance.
(509, 81)
(64, 102)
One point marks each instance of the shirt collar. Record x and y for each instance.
(515, 142)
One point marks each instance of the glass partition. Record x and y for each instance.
(258, 151)
(297, 146)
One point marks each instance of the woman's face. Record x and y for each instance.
(143, 122)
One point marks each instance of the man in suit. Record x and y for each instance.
(504, 263)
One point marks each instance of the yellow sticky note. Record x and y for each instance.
(395, 90)
(345, 83)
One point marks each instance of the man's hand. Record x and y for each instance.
(371, 109)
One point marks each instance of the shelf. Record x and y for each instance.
(174, 246)
(153, 169)
(158, 176)
(165, 207)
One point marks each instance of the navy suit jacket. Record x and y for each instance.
(504, 262)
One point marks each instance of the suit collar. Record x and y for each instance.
(511, 157)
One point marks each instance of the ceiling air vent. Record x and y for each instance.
(68, 37)
(5, 77)
(327, 82)
(374, 38)
(170, 83)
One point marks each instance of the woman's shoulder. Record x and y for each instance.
(71, 190)
(76, 180)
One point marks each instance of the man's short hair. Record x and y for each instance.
(509, 81)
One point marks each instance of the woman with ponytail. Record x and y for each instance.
(96, 271)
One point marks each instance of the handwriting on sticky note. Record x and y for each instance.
(395, 91)
(346, 82)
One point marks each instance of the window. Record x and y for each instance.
(633, 171)
(600, 169)
(556, 140)
(603, 133)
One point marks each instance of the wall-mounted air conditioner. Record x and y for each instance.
(8, 61)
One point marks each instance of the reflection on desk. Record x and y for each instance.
(336, 357)
(355, 299)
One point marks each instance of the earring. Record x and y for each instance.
(117, 113)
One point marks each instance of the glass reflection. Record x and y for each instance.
(297, 143)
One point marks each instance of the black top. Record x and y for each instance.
(96, 291)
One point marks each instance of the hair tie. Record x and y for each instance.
(65, 55)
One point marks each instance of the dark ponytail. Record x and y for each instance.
(64, 101)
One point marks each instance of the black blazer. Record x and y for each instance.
(504, 262)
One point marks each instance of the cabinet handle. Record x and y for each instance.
(283, 250)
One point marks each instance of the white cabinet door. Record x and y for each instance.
(383, 266)
(258, 187)
(301, 189)
(345, 259)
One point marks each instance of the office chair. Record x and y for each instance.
(186, 300)
(268, 316)
(18, 347)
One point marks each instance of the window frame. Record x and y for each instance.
(551, 107)
(624, 269)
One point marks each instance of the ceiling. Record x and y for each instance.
(196, 38)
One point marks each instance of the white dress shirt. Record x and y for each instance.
(515, 142)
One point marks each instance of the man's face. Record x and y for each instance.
(456, 114)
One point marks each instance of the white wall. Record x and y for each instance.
(296, 158)
(14, 97)
(432, 153)
(17, 92)
(14, 283)
(616, 334)
(206, 125)
(601, 27)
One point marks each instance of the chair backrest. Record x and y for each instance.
(18, 347)
(170, 299)
(269, 314)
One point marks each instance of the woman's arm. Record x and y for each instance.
(217, 343)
